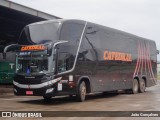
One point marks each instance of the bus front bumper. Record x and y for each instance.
(44, 89)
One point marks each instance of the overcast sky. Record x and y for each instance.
(139, 17)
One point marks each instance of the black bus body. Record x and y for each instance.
(75, 57)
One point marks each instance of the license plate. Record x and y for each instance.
(29, 92)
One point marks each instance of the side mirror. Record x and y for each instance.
(54, 56)
(157, 51)
(12, 47)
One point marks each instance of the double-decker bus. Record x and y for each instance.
(75, 57)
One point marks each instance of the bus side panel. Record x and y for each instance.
(117, 73)
(108, 75)
(151, 63)
(87, 59)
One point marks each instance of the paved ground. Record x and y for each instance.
(148, 101)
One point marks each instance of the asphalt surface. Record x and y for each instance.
(148, 101)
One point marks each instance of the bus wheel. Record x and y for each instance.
(81, 92)
(135, 86)
(142, 86)
(47, 98)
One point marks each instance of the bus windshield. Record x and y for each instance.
(32, 63)
(39, 33)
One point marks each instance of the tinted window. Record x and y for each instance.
(89, 45)
(67, 52)
(114, 40)
(40, 33)
(24, 38)
(92, 34)
(87, 51)
(71, 32)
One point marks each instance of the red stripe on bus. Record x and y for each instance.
(142, 59)
(149, 64)
(145, 58)
(137, 64)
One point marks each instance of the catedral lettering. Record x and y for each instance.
(71, 62)
(33, 47)
(109, 55)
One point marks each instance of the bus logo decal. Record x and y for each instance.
(110, 55)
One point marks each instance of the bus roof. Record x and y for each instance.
(100, 26)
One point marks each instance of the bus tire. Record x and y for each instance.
(81, 96)
(47, 98)
(135, 86)
(142, 86)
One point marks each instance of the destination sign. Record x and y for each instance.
(33, 47)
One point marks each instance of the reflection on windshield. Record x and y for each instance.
(32, 66)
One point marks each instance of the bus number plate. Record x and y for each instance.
(29, 92)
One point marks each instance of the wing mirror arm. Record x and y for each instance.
(8, 48)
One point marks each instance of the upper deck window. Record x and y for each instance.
(39, 33)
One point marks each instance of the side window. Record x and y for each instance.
(23, 39)
(65, 58)
(92, 36)
(67, 52)
(65, 62)
(89, 45)
(62, 62)
(71, 32)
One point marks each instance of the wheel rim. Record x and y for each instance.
(83, 91)
(135, 86)
(143, 86)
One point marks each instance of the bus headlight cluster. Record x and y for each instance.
(54, 81)
(49, 90)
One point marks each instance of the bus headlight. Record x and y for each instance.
(49, 90)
